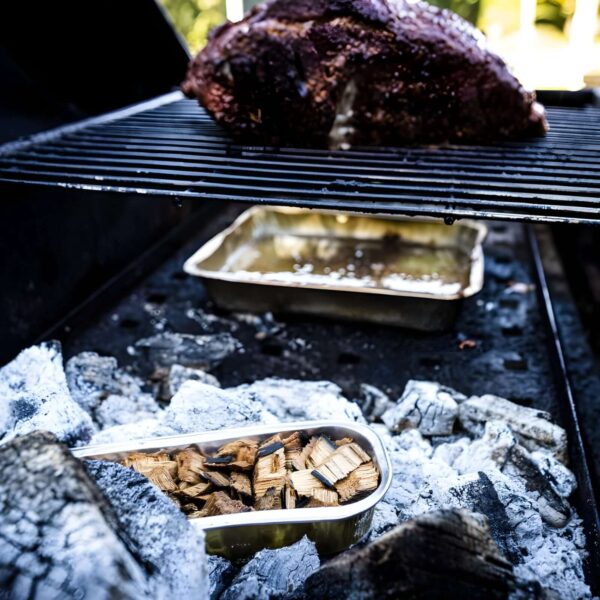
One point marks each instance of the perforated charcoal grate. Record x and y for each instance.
(169, 146)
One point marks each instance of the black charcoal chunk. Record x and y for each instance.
(219, 460)
(34, 396)
(405, 563)
(166, 349)
(220, 575)
(58, 534)
(93, 378)
(275, 573)
(158, 533)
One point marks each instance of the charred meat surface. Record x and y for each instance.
(342, 72)
(296, 471)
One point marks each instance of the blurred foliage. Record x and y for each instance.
(468, 9)
(193, 19)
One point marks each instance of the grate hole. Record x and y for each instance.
(509, 302)
(129, 323)
(156, 298)
(431, 362)
(271, 349)
(179, 275)
(512, 331)
(348, 358)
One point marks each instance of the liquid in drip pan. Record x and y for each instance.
(389, 263)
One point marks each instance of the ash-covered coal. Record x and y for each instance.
(220, 574)
(275, 573)
(34, 396)
(61, 537)
(166, 349)
(293, 400)
(484, 454)
(178, 375)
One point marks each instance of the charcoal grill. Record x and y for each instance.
(95, 281)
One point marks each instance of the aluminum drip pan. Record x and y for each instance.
(332, 528)
(383, 269)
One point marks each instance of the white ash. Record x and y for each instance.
(521, 492)
(119, 410)
(135, 430)
(220, 574)
(35, 396)
(92, 378)
(373, 402)
(275, 573)
(209, 322)
(533, 427)
(201, 407)
(425, 405)
(166, 349)
(291, 400)
(178, 375)
(158, 534)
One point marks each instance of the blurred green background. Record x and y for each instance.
(540, 39)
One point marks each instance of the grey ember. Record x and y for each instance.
(344, 72)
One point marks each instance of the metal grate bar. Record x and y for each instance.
(171, 147)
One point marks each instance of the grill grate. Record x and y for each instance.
(171, 147)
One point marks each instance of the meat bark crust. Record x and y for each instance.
(337, 72)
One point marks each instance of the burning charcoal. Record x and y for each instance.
(554, 510)
(142, 429)
(190, 464)
(271, 500)
(219, 503)
(159, 536)
(215, 478)
(241, 452)
(193, 491)
(275, 573)
(533, 427)
(305, 483)
(426, 406)
(292, 400)
(34, 396)
(199, 407)
(119, 410)
(178, 375)
(93, 378)
(56, 522)
(374, 402)
(293, 451)
(241, 484)
(340, 464)
(270, 472)
(166, 349)
(322, 449)
(362, 480)
(220, 574)
(406, 563)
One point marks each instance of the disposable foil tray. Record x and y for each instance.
(332, 528)
(383, 269)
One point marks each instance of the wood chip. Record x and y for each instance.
(219, 503)
(162, 478)
(270, 472)
(289, 471)
(241, 484)
(322, 450)
(304, 482)
(362, 480)
(197, 490)
(190, 463)
(340, 463)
